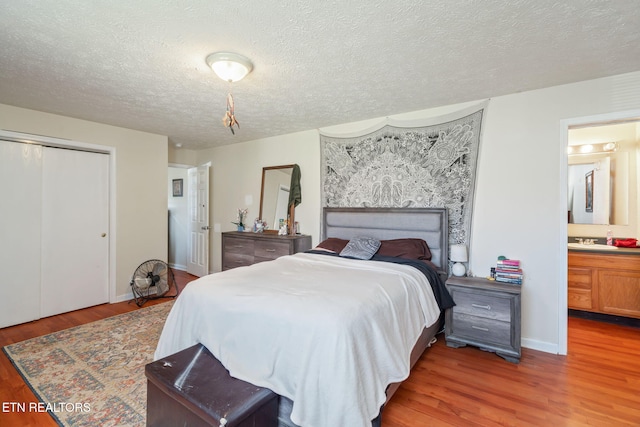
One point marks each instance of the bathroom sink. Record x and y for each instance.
(593, 247)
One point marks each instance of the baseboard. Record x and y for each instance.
(178, 267)
(124, 297)
(544, 346)
(129, 296)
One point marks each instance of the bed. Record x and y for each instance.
(333, 336)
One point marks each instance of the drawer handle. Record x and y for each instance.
(270, 250)
(237, 246)
(479, 328)
(485, 307)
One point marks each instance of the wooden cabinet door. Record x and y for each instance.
(619, 292)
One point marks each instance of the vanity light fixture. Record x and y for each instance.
(230, 67)
(604, 147)
(586, 148)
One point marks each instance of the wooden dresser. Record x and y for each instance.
(604, 283)
(242, 248)
(486, 315)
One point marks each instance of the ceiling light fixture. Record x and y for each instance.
(230, 67)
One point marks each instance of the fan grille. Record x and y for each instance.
(153, 279)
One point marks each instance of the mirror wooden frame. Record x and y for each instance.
(291, 212)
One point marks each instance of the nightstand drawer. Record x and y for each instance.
(267, 250)
(481, 304)
(481, 329)
(239, 246)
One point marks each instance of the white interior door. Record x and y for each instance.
(21, 174)
(75, 223)
(198, 192)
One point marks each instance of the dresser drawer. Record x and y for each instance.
(270, 249)
(231, 260)
(481, 329)
(239, 246)
(485, 304)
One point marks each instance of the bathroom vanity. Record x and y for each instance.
(604, 280)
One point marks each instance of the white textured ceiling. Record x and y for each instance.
(140, 64)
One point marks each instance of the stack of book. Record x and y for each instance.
(509, 271)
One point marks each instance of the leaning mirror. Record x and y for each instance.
(274, 196)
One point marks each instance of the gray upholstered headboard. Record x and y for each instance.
(429, 224)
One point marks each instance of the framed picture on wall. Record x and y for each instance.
(588, 185)
(177, 187)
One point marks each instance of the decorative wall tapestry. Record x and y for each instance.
(406, 164)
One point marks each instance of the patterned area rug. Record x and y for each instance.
(93, 374)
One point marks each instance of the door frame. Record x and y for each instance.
(95, 148)
(598, 119)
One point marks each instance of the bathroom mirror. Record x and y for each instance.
(598, 192)
(600, 181)
(274, 196)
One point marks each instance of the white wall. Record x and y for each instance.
(182, 156)
(141, 176)
(520, 205)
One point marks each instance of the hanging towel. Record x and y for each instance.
(295, 192)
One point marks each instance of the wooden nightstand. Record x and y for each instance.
(486, 315)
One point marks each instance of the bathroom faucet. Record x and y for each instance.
(585, 241)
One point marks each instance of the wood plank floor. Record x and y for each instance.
(597, 384)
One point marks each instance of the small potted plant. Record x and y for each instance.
(242, 213)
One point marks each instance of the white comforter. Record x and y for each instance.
(328, 333)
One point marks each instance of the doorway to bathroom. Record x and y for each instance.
(602, 198)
